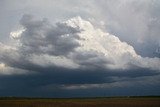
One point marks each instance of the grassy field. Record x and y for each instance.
(80, 102)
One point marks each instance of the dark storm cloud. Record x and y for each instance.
(39, 37)
(41, 46)
(64, 81)
(42, 37)
(90, 59)
(54, 67)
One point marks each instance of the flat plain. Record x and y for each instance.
(81, 102)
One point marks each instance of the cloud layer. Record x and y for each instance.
(70, 56)
(79, 56)
(71, 44)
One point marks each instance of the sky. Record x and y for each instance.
(75, 48)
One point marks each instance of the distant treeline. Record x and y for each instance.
(30, 98)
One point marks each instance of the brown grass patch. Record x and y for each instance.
(97, 102)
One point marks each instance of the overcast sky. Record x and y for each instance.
(75, 48)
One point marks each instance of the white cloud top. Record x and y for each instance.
(16, 34)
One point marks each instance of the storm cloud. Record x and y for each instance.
(73, 55)
(74, 43)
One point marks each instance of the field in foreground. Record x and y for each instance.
(79, 102)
